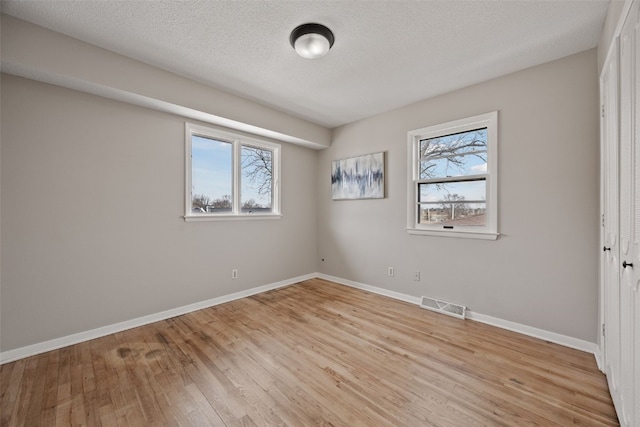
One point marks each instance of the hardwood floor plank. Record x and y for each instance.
(37, 391)
(51, 382)
(316, 353)
(24, 396)
(11, 384)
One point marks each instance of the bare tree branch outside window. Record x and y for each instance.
(200, 201)
(257, 169)
(204, 203)
(445, 156)
(453, 203)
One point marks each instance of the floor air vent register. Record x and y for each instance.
(444, 307)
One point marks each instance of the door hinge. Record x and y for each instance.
(603, 329)
(603, 220)
(602, 109)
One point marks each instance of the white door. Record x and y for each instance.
(629, 219)
(610, 341)
(634, 21)
(631, 30)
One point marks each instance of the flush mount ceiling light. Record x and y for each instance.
(311, 41)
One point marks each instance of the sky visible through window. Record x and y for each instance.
(212, 176)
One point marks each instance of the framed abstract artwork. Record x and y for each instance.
(359, 177)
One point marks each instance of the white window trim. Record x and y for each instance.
(237, 140)
(490, 230)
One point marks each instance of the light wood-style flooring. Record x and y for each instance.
(315, 353)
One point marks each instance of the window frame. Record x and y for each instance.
(490, 230)
(237, 141)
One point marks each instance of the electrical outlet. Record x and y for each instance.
(234, 274)
(416, 276)
(390, 272)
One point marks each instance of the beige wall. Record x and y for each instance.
(543, 270)
(92, 198)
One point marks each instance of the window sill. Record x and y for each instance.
(458, 234)
(200, 218)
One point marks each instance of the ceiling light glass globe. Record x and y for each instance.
(312, 46)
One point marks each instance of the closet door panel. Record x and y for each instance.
(620, 277)
(627, 181)
(629, 219)
(611, 211)
(633, 21)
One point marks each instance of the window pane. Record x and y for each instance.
(257, 167)
(211, 175)
(470, 191)
(458, 154)
(470, 164)
(468, 214)
(461, 203)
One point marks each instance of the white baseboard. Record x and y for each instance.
(542, 334)
(553, 337)
(373, 289)
(599, 359)
(54, 344)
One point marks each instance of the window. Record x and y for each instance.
(453, 176)
(230, 176)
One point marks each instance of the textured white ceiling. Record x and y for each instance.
(387, 53)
